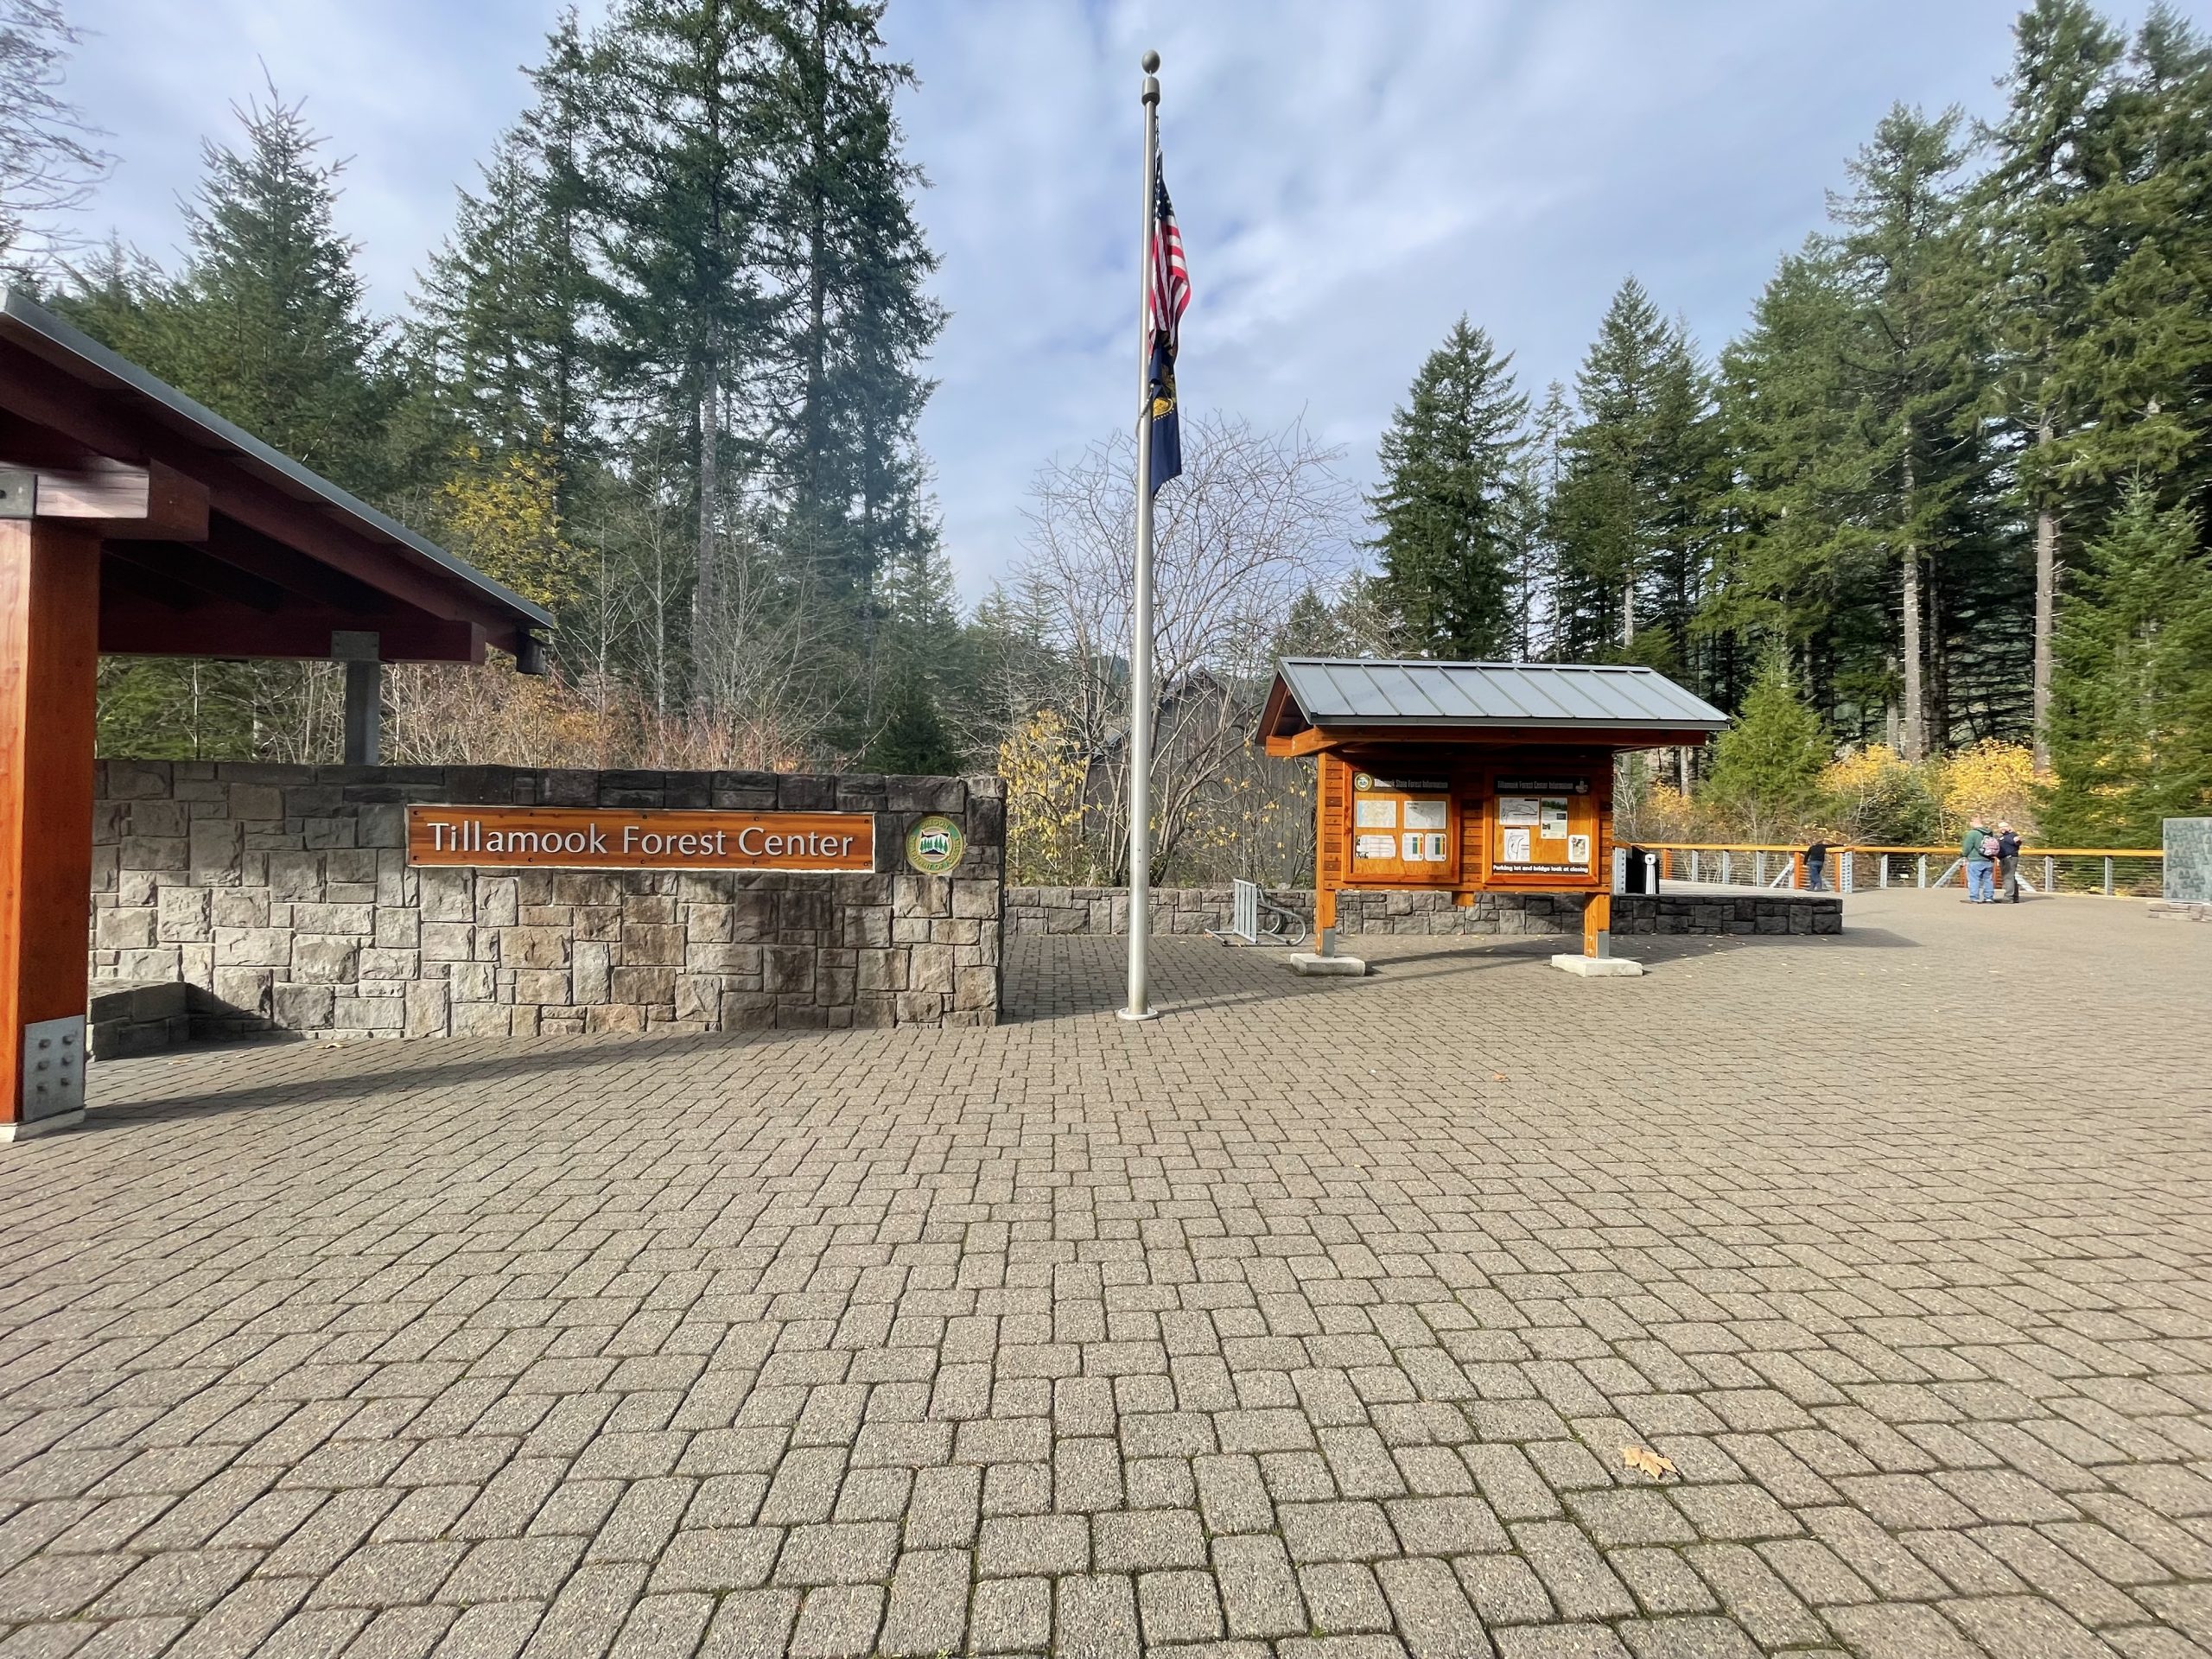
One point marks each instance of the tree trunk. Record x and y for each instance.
(1628, 610)
(709, 487)
(2046, 604)
(1915, 708)
(1939, 665)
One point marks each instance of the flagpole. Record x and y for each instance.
(1140, 1006)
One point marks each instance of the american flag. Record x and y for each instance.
(1168, 295)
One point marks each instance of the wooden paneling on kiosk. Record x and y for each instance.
(1470, 776)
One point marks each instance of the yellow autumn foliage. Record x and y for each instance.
(1045, 772)
(1991, 780)
(505, 520)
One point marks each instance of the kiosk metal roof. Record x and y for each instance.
(1330, 691)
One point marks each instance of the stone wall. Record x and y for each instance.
(284, 894)
(1199, 910)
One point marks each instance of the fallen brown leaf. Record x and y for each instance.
(1654, 1464)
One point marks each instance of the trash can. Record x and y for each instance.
(1634, 882)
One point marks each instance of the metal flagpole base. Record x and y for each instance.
(1124, 1014)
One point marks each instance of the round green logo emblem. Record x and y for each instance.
(935, 844)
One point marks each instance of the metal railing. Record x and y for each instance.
(2108, 872)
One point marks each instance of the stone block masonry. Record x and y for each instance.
(1082, 911)
(284, 894)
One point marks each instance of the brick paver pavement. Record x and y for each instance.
(1313, 1319)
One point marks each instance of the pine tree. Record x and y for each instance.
(1919, 383)
(2140, 369)
(267, 325)
(2037, 200)
(1766, 768)
(2131, 715)
(679, 124)
(1447, 544)
(914, 739)
(502, 315)
(852, 259)
(1631, 514)
(1807, 560)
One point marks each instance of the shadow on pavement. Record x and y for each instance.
(435, 1062)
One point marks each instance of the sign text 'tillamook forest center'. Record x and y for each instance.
(582, 838)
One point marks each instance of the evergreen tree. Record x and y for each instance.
(1631, 515)
(502, 315)
(1449, 556)
(2038, 200)
(914, 738)
(1766, 768)
(267, 324)
(2130, 717)
(679, 122)
(853, 262)
(1807, 560)
(1917, 381)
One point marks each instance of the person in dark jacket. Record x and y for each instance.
(1816, 863)
(2008, 861)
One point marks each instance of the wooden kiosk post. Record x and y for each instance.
(1471, 777)
(49, 661)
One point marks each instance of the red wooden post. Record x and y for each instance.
(49, 661)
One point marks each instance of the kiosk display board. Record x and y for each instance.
(1543, 826)
(1403, 830)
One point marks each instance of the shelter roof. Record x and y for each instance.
(216, 543)
(1562, 701)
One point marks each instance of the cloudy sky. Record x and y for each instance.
(1350, 179)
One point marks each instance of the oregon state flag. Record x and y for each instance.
(1167, 294)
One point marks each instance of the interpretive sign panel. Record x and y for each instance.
(587, 838)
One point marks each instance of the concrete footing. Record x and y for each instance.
(1316, 967)
(1598, 967)
(55, 1125)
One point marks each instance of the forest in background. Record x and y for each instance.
(1937, 513)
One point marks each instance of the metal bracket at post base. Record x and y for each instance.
(52, 1095)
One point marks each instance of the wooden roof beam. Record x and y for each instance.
(154, 502)
(177, 563)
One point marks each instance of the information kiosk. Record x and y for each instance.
(1471, 776)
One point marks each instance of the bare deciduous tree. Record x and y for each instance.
(1255, 520)
(49, 158)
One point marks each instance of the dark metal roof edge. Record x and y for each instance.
(1708, 718)
(1454, 662)
(20, 308)
(1566, 722)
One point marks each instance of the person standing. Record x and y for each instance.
(1976, 849)
(1816, 863)
(2008, 861)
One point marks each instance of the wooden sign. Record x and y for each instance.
(587, 838)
